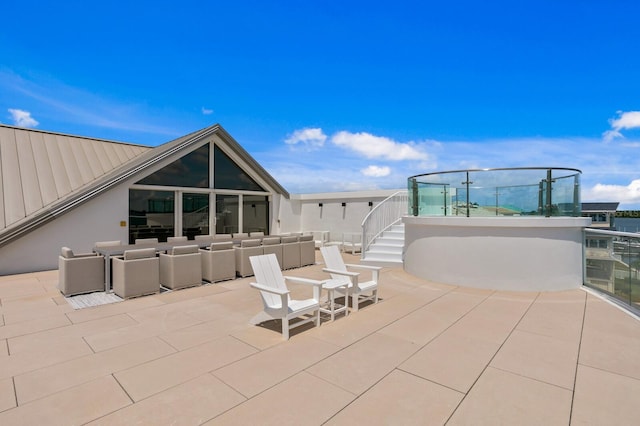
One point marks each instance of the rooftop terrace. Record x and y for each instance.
(425, 354)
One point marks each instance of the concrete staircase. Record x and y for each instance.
(387, 249)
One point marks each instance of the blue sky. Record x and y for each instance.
(332, 96)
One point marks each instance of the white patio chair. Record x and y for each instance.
(360, 291)
(275, 295)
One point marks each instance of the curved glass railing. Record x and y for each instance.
(612, 265)
(524, 191)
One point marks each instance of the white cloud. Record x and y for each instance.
(22, 118)
(312, 138)
(626, 120)
(372, 146)
(622, 193)
(69, 104)
(376, 171)
(206, 111)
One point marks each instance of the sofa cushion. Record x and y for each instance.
(250, 243)
(139, 254)
(306, 238)
(225, 245)
(184, 250)
(289, 239)
(267, 241)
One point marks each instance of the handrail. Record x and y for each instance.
(537, 191)
(612, 266)
(382, 216)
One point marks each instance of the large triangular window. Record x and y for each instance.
(228, 175)
(191, 171)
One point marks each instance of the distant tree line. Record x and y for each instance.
(628, 213)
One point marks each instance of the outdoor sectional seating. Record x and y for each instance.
(246, 249)
(290, 252)
(181, 267)
(80, 273)
(272, 245)
(307, 250)
(136, 273)
(218, 262)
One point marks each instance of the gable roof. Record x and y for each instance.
(27, 199)
(40, 168)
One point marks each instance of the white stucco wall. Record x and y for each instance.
(514, 253)
(303, 213)
(96, 220)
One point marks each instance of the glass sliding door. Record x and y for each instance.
(227, 214)
(195, 214)
(255, 213)
(151, 214)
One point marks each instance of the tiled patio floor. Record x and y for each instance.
(425, 354)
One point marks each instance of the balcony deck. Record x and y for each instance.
(425, 354)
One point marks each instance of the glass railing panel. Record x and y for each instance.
(612, 264)
(496, 192)
(566, 195)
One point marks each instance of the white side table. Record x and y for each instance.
(330, 306)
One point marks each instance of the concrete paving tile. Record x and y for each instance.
(424, 324)
(74, 406)
(45, 338)
(259, 337)
(198, 334)
(191, 403)
(21, 287)
(126, 306)
(401, 399)
(559, 317)
(493, 319)
(361, 365)
(32, 313)
(167, 312)
(124, 335)
(454, 359)
(347, 330)
(213, 310)
(45, 381)
(301, 400)
(156, 376)
(64, 349)
(272, 366)
(191, 293)
(7, 394)
(34, 301)
(611, 339)
(539, 357)
(502, 398)
(245, 299)
(33, 326)
(59, 300)
(4, 348)
(603, 398)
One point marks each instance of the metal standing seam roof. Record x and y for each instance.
(40, 168)
(45, 174)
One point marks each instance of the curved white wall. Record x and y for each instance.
(501, 253)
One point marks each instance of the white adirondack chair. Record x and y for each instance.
(360, 291)
(275, 295)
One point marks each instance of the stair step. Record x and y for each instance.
(390, 241)
(385, 248)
